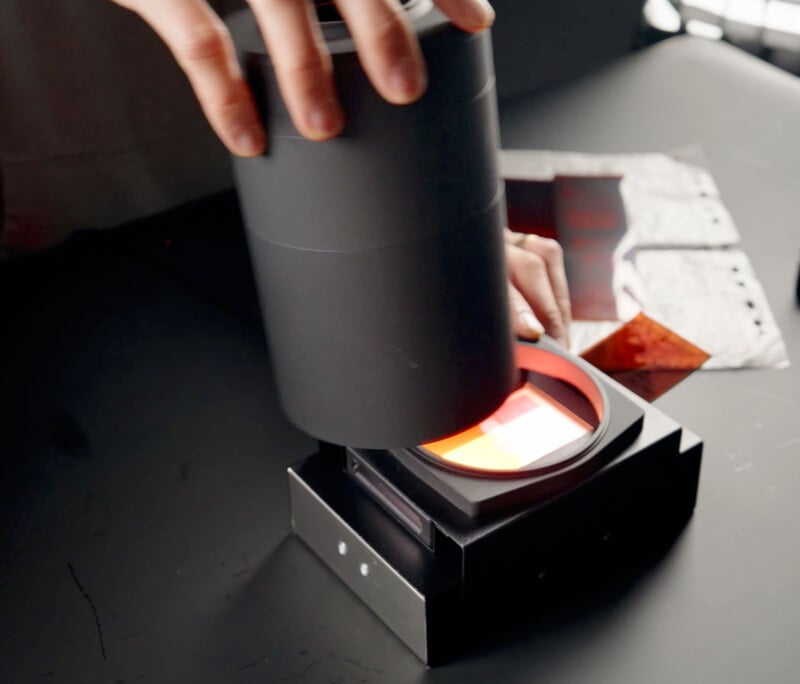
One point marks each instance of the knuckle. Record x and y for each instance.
(551, 314)
(228, 109)
(201, 42)
(304, 67)
(551, 250)
(393, 26)
(390, 33)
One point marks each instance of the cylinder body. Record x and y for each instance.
(379, 255)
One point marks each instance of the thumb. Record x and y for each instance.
(523, 321)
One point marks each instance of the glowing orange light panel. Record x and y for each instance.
(527, 427)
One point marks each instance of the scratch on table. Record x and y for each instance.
(88, 598)
(254, 663)
(361, 666)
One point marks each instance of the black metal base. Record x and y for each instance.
(440, 579)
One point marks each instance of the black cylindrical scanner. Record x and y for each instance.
(379, 254)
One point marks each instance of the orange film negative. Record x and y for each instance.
(646, 357)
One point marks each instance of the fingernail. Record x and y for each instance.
(530, 325)
(483, 14)
(251, 142)
(325, 118)
(406, 80)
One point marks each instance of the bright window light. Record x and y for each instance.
(750, 12)
(782, 26)
(703, 29)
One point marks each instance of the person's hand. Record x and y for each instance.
(387, 48)
(537, 290)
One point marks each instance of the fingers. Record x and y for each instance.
(302, 65)
(536, 270)
(202, 47)
(389, 50)
(523, 321)
(468, 15)
(387, 47)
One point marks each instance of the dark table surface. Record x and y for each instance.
(144, 532)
